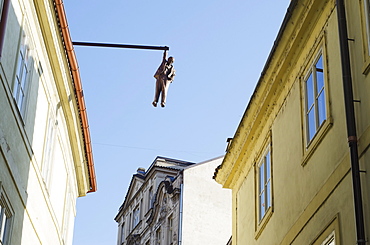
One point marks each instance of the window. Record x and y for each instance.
(49, 149)
(21, 82)
(150, 198)
(330, 240)
(170, 230)
(367, 21)
(136, 216)
(5, 221)
(1, 6)
(158, 236)
(4, 225)
(264, 185)
(315, 98)
(329, 235)
(123, 233)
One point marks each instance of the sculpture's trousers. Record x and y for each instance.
(161, 87)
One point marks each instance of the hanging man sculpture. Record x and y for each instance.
(164, 76)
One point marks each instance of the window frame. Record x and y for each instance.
(7, 211)
(314, 106)
(158, 234)
(150, 197)
(264, 164)
(310, 144)
(365, 20)
(49, 145)
(23, 73)
(123, 232)
(261, 221)
(136, 216)
(329, 232)
(170, 229)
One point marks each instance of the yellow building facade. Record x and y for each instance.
(289, 163)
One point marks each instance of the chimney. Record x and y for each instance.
(141, 171)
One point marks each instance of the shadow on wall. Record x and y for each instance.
(19, 88)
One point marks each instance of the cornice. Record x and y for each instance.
(266, 100)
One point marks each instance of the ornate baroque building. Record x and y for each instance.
(175, 202)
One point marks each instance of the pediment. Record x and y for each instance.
(135, 185)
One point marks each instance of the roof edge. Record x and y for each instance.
(71, 56)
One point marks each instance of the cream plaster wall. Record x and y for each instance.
(206, 206)
(43, 206)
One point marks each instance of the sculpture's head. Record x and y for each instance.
(171, 60)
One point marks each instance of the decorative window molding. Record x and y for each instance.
(316, 110)
(264, 186)
(330, 234)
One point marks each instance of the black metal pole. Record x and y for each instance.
(115, 45)
(351, 122)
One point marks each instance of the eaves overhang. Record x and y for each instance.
(73, 66)
(230, 166)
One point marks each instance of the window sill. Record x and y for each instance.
(316, 140)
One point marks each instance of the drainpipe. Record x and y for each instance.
(4, 18)
(351, 122)
(180, 214)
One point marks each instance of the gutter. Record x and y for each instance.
(71, 56)
(179, 237)
(351, 122)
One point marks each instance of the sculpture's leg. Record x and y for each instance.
(164, 92)
(158, 88)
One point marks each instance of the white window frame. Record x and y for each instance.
(264, 173)
(316, 102)
(23, 74)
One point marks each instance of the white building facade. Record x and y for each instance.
(45, 151)
(173, 203)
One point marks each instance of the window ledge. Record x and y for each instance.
(262, 224)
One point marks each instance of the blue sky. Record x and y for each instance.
(220, 48)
